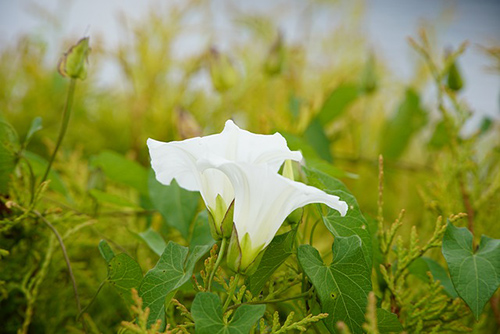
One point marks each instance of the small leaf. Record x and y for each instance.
(36, 125)
(201, 231)
(275, 254)
(398, 130)
(124, 274)
(176, 205)
(154, 240)
(353, 223)
(337, 102)
(121, 170)
(343, 286)
(208, 317)
(388, 322)
(316, 137)
(174, 268)
(106, 251)
(475, 274)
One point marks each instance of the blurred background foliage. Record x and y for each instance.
(342, 113)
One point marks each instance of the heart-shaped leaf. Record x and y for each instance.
(475, 274)
(353, 223)
(343, 286)
(174, 268)
(208, 317)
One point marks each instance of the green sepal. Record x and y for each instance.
(234, 252)
(221, 221)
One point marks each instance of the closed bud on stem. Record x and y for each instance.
(74, 62)
(224, 75)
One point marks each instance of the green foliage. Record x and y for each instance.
(344, 285)
(277, 252)
(410, 117)
(124, 275)
(101, 187)
(174, 268)
(475, 273)
(176, 205)
(337, 102)
(208, 317)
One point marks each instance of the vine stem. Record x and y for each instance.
(231, 292)
(64, 125)
(217, 263)
(66, 259)
(270, 301)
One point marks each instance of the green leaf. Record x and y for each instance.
(124, 274)
(106, 251)
(475, 274)
(275, 254)
(121, 170)
(337, 102)
(176, 205)
(9, 146)
(39, 165)
(104, 197)
(422, 265)
(154, 240)
(343, 286)
(201, 231)
(316, 137)
(440, 136)
(36, 125)
(353, 223)
(207, 314)
(399, 129)
(296, 143)
(174, 268)
(388, 322)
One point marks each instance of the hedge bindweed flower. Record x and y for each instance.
(178, 160)
(263, 199)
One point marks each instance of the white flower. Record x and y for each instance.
(263, 199)
(177, 160)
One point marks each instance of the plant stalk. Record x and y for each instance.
(64, 125)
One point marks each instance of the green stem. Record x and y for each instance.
(64, 125)
(231, 292)
(272, 301)
(217, 263)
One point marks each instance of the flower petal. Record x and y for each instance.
(263, 198)
(178, 159)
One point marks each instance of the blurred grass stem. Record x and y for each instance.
(64, 125)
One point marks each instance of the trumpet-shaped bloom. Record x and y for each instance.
(263, 199)
(178, 160)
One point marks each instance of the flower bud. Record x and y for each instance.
(73, 63)
(224, 75)
(454, 80)
(221, 219)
